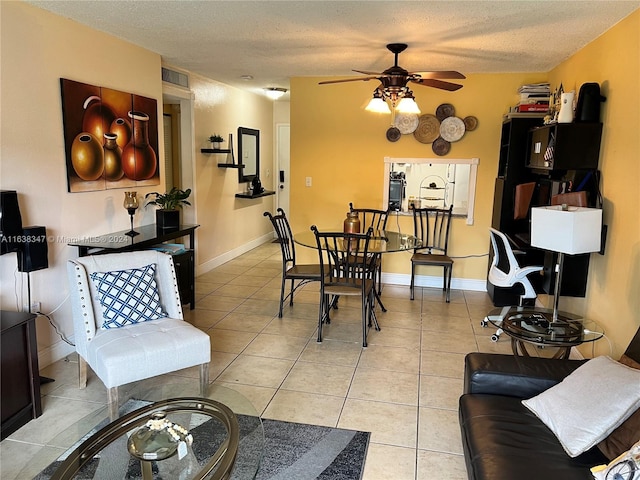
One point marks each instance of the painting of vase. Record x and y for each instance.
(111, 138)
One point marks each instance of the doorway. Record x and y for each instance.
(283, 148)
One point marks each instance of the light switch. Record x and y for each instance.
(307, 181)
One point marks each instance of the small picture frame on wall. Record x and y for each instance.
(111, 138)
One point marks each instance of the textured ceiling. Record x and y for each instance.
(276, 40)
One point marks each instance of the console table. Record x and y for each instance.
(149, 235)
(21, 400)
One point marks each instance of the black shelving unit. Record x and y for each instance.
(266, 193)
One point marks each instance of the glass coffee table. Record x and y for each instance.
(534, 326)
(217, 437)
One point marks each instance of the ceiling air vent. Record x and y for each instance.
(177, 78)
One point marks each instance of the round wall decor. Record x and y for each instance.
(428, 128)
(406, 122)
(445, 110)
(440, 146)
(452, 129)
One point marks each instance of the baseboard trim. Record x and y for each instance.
(435, 282)
(231, 254)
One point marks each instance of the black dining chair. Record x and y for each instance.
(303, 274)
(431, 226)
(344, 265)
(376, 219)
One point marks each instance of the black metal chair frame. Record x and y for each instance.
(290, 269)
(432, 226)
(344, 263)
(376, 219)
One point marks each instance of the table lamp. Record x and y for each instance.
(563, 229)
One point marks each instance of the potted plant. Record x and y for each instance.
(216, 140)
(170, 203)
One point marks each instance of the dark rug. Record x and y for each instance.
(292, 451)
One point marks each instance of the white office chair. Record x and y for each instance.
(123, 354)
(506, 272)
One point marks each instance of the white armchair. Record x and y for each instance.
(123, 354)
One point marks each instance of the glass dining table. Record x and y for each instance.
(382, 241)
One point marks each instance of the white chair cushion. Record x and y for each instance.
(128, 296)
(135, 352)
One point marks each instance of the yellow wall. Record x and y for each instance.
(613, 292)
(342, 146)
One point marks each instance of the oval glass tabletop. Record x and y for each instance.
(101, 446)
(382, 241)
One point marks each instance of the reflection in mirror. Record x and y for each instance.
(431, 182)
(249, 151)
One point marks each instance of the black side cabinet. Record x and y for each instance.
(184, 265)
(21, 400)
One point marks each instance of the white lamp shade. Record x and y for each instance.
(573, 231)
(408, 105)
(378, 105)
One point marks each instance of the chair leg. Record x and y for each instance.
(413, 274)
(281, 296)
(291, 293)
(112, 400)
(448, 289)
(82, 372)
(321, 309)
(365, 318)
(204, 379)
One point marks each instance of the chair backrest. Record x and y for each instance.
(85, 303)
(370, 217)
(285, 238)
(431, 226)
(503, 256)
(343, 256)
(574, 199)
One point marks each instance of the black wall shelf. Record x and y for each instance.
(229, 165)
(266, 193)
(215, 150)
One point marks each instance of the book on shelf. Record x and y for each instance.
(533, 107)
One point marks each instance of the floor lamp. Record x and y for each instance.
(565, 230)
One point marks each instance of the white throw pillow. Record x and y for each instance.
(589, 404)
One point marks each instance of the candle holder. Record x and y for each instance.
(131, 204)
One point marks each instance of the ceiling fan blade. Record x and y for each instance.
(369, 73)
(357, 79)
(450, 74)
(430, 82)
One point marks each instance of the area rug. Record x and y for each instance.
(292, 451)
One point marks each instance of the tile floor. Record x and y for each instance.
(403, 388)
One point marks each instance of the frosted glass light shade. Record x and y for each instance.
(408, 105)
(377, 105)
(572, 231)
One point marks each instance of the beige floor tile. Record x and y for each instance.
(205, 288)
(299, 310)
(440, 392)
(389, 423)
(319, 378)
(395, 291)
(401, 305)
(236, 291)
(395, 337)
(448, 342)
(432, 465)
(219, 361)
(399, 319)
(276, 346)
(22, 461)
(242, 399)
(269, 271)
(385, 386)
(267, 293)
(258, 307)
(443, 364)
(386, 462)
(478, 298)
(382, 357)
(258, 371)
(244, 322)
(229, 341)
(332, 352)
(203, 319)
(433, 294)
(345, 332)
(293, 327)
(444, 309)
(249, 281)
(438, 430)
(219, 303)
(232, 268)
(442, 323)
(216, 276)
(289, 406)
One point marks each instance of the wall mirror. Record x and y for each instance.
(431, 182)
(249, 152)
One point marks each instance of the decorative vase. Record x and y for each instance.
(112, 158)
(566, 108)
(352, 223)
(122, 129)
(139, 161)
(97, 117)
(167, 220)
(87, 156)
(215, 145)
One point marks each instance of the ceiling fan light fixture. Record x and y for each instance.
(275, 93)
(408, 105)
(377, 104)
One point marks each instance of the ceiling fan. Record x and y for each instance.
(394, 81)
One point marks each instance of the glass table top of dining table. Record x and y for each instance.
(382, 241)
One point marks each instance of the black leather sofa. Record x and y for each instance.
(501, 438)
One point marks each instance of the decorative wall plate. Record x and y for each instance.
(445, 110)
(440, 146)
(406, 122)
(428, 128)
(393, 134)
(470, 123)
(452, 129)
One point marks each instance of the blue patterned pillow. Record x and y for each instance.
(128, 296)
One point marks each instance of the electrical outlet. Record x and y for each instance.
(307, 181)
